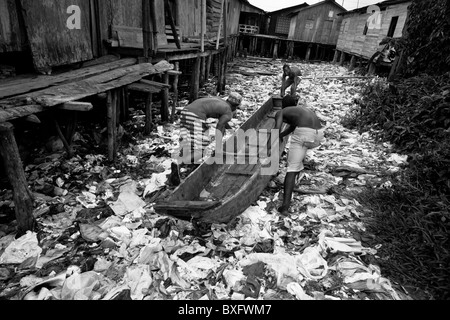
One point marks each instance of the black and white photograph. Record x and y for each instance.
(231, 157)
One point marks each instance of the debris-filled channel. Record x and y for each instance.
(100, 238)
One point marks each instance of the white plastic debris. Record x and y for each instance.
(296, 290)
(126, 203)
(24, 248)
(311, 264)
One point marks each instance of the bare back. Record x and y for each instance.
(210, 108)
(301, 117)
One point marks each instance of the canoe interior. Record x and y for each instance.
(214, 178)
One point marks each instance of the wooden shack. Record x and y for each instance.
(252, 19)
(359, 41)
(318, 23)
(280, 20)
(318, 26)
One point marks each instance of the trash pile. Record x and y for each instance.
(100, 238)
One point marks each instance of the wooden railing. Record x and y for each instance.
(245, 28)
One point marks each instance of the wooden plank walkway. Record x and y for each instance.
(24, 85)
(33, 102)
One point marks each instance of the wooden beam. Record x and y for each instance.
(156, 85)
(111, 105)
(225, 23)
(342, 60)
(194, 55)
(148, 114)
(195, 81)
(23, 201)
(168, 8)
(141, 87)
(175, 92)
(155, 45)
(146, 28)
(220, 25)
(203, 26)
(77, 106)
(165, 100)
(63, 138)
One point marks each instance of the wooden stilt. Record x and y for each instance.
(126, 103)
(23, 201)
(72, 120)
(165, 102)
(111, 104)
(219, 72)
(208, 67)
(175, 91)
(372, 68)
(275, 50)
(342, 60)
(336, 56)
(63, 138)
(263, 48)
(308, 53)
(352, 63)
(202, 71)
(223, 72)
(148, 114)
(195, 83)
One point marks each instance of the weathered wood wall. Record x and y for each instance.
(189, 17)
(352, 40)
(318, 23)
(52, 42)
(213, 17)
(11, 34)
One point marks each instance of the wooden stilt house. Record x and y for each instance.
(363, 29)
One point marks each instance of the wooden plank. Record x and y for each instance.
(140, 87)
(77, 106)
(85, 88)
(157, 85)
(146, 28)
(25, 85)
(52, 42)
(19, 112)
(187, 56)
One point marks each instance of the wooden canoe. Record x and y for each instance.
(230, 188)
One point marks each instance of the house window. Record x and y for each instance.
(331, 14)
(392, 27)
(365, 29)
(283, 25)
